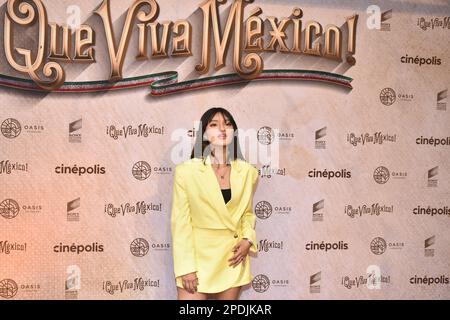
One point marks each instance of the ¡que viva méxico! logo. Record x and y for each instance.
(44, 63)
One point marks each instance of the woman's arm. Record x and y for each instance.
(248, 219)
(182, 240)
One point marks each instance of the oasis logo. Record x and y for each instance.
(9, 208)
(329, 174)
(139, 247)
(326, 246)
(432, 173)
(6, 247)
(429, 252)
(263, 210)
(76, 170)
(8, 288)
(285, 136)
(138, 284)
(379, 246)
(442, 280)
(265, 245)
(261, 283)
(388, 96)
(78, 248)
(266, 135)
(142, 170)
(74, 131)
(381, 175)
(442, 100)
(320, 143)
(314, 285)
(374, 209)
(72, 214)
(141, 130)
(366, 138)
(317, 210)
(8, 167)
(160, 246)
(11, 128)
(140, 208)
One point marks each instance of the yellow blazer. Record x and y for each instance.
(198, 203)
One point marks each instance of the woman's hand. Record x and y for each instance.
(240, 252)
(190, 282)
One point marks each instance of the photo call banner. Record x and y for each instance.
(340, 105)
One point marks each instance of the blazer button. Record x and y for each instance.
(235, 235)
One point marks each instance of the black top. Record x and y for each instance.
(226, 194)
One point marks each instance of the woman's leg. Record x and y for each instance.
(184, 295)
(229, 294)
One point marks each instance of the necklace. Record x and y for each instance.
(222, 176)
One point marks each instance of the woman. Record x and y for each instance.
(212, 221)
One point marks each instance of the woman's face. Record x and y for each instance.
(219, 131)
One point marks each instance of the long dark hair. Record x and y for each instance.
(202, 146)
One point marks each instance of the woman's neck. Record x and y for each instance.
(220, 156)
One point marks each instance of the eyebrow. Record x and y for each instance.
(218, 120)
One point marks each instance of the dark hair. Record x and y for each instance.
(202, 146)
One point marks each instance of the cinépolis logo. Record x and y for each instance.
(80, 170)
(94, 247)
(43, 61)
(330, 174)
(429, 280)
(141, 130)
(431, 211)
(326, 246)
(433, 141)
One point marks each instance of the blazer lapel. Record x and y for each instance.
(214, 193)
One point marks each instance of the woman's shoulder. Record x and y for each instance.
(247, 165)
(188, 163)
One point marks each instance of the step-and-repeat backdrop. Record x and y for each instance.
(100, 100)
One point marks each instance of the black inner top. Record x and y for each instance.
(226, 194)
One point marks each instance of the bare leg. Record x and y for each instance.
(184, 295)
(229, 294)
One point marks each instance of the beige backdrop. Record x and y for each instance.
(296, 211)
